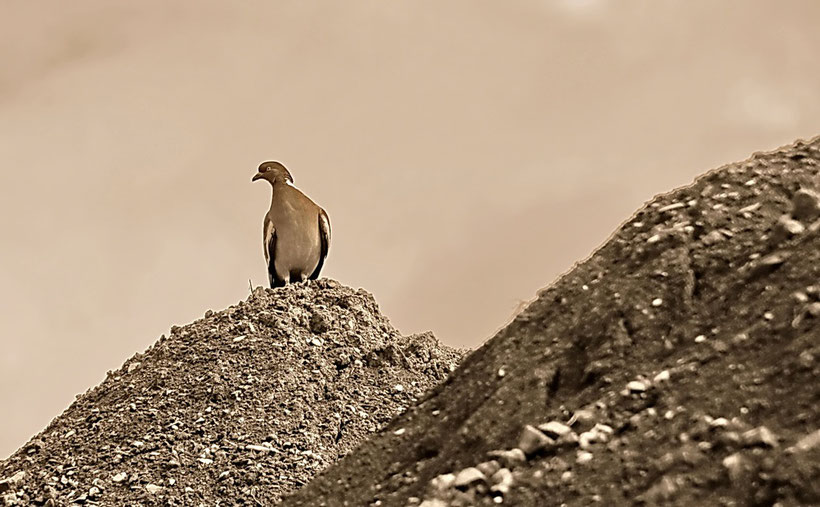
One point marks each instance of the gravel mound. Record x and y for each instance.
(677, 365)
(239, 407)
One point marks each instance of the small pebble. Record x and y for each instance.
(583, 457)
(502, 480)
(443, 482)
(509, 458)
(735, 465)
(760, 436)
(786, 227)
(672, 207)
(712, 238)
(807, 443)
(488, 468)
(636, 386)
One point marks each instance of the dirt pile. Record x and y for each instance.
(678, 364)
(241, 406)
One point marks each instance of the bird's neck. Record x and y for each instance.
(276, 188)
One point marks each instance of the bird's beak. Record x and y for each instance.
(256, 176)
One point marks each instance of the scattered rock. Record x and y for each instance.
(807, 443)
(584, 416)
(737, 467)
(662, 492)
(713, 238)
(468, 477)
(319, 322)
(759, 436)
(555, 429)
(806, 205)
(443, 482)
(533, 441)
(502, 481)
(583, 457)
(636, 386)
(509, 458)
(488, 468)
(12, 482)
(671, 207)
(786, 227)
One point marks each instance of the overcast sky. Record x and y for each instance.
(467, 152)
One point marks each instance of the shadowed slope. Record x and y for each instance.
(682, 354)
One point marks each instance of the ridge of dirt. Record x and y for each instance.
(239, 407)
(676, 365)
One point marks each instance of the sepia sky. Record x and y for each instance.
(467, 152)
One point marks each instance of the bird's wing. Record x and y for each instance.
(268, 235)
(324, 238)
(324, 231)
(269, 246)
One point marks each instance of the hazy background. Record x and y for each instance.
(467, 152)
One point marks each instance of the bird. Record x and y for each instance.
(295, 232)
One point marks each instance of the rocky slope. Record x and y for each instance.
(678, 365)
(239, 407)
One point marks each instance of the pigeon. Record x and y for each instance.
(296, 231)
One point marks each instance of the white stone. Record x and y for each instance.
(583, 457)
(636, 386)
(555, 429)
(468, 476)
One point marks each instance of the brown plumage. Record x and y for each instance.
(296, 231)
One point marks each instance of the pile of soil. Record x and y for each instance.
(239, 407)
(678, 364)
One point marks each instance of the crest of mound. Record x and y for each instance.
(677, 365)
(245, 404)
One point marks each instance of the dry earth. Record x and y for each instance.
(677, 365)
(236, 408)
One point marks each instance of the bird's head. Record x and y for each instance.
(272, 171)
